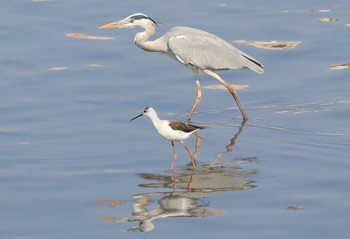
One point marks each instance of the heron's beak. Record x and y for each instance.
(136, 117)
(119, 24)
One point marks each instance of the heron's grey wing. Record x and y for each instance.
(207, 51)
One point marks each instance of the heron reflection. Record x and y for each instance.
(181, 194)
(228, 148)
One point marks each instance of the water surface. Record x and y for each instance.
(72, 165)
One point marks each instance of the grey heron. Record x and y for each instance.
(196, 49)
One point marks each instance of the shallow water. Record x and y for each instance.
(72, 165)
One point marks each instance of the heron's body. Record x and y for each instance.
(172, 130)
(180, 42)
(196, 49)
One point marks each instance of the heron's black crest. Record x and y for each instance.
(139, 16)
(145, 110)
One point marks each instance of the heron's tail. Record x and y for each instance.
(253, 64)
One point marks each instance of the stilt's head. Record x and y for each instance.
(149, 112)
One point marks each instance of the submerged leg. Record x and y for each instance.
(174, 152)
(231, 90)
(199, 93)
(190, 154)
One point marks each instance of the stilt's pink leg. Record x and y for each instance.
(174, 152)
(190, 154)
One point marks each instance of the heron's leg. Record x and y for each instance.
(199, 93)
(232, 91)
(190, 154)
(197, 145)
(174, 152)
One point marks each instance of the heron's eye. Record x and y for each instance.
(131, 20)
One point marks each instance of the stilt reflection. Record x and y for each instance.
(182, 193)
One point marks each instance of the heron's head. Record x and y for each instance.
(134, 20)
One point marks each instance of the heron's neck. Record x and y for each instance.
(141, 40)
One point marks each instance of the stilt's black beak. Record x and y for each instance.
(136, 117)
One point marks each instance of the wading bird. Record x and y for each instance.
(172, 130)
(196, 49)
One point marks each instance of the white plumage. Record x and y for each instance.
(172, 130)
